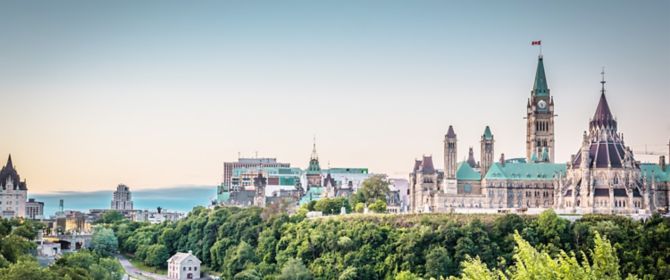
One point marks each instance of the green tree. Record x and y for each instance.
(12, 247)
(438, 262)
(350, 273)
(25, 269)
(248, 274)
(239, 258)
(110, 217)
(378, 206)
(157, 255)
(360, 207)
(294, 269)
(25, 231)
(107, 269)
(532, 264)
(372, 189)
(406, 275)
(104, 241)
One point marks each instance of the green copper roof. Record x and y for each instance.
(524, 171)
(465, 172)
(345, 170)
(314, 193)
(540, 87)
(651, 168)
(487, 133)
(314, 167)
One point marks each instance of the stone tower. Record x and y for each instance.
(486, 156)
(450, 163)
(540, 117)
(314, 169)
(260, 183)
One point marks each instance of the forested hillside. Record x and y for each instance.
(251, 244)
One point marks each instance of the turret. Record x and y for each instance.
(486, 150)
(471, 158)
(585, 152)
(450, 149)
(661, 163)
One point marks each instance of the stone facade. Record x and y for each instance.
(13, 192)
(603, 177)
(183, 266)
(34, 209)
(122, 199)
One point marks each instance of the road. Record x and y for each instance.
(135, 273)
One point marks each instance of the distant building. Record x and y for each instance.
(34, 209)
(313, 172)
(122, 199)
(13, 192)
(155, 217)
(226, 188)
(182, 266)
(399, 194)
(71, 222)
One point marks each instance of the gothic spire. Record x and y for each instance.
(9, 162)
(451, 133)
(487, 133)
(314, 155)
(603, 115)
(540, 87)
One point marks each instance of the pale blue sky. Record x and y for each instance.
(160, 93)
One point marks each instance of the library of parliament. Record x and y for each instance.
(601, 177)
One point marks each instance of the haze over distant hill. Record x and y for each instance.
(179, 198)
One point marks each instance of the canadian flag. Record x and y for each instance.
(536, 43)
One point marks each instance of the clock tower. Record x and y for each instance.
(540, 119)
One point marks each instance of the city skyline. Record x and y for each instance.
(165, 100)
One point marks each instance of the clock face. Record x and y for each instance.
(542, 104)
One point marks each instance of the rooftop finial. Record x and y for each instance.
(602, 81)
(314, 155)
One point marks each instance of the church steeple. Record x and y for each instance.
(540, 87)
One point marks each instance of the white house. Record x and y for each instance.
(183, 266)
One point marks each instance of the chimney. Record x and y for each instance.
(190, 252)
(661, 163)
(502, 159)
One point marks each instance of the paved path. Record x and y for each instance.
(135, 273)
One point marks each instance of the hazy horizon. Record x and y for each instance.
(161, 93)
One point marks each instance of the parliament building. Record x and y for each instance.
(602, 177)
